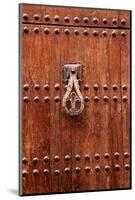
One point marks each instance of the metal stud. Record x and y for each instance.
(114, 21)
(86, 86)
(116, 155)
(24, 173)
(106, 98)
(95, 20)
(86, 32)
(107, 168)
(77, 170)
(46, 171)
(107, 155)
(36, 86)
(36, 17)
(115, 87)
(123, 21)
(57, 99)
(123, 34)
(124, 87)
(25, 16)
(25, 29)
(57, 86)
(76, 32)
(105, 21)
(86, 98)
(24, 160)
(124, 98)
(47, 18)
(36, 30)
(66, 19)
(67, 170)
(35, 172)
(87, 169)
(87, 157)
(97, 156)
(57, 18)
(46, 159)
(67, 31)
(46, 99)
(114, 33)
(126, 155)
(96, 87)
(57, 172)
(56, 30)
(96, 98)
(26, 87)
(77, 157)
(85, 19)
(47, 30)
(115, 98)
(56, 158)
(97, 168)
(26, 99)
(35, 160)
(67, 157)
(76, 19)
(104, 33)
(95, 33)
(46, 86)
(36, 99)
(117, 167)
(127, 166)
(105, 86)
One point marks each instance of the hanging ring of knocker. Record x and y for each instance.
(73, 102)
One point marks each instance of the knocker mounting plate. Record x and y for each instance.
(74, 68)
(73, 102)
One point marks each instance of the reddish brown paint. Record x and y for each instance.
(102, 129)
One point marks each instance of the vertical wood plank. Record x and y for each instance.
(66, 121)
(115, 118)
(125, 92)
(103, 126)
(104, 106)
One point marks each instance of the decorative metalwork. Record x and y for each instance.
(73, 102)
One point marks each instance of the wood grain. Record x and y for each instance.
(103, 127)
(72, 12)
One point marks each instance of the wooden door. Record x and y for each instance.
(75, 99)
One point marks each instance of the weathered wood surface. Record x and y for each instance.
(91, 151)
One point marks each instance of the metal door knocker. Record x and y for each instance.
(73, 102)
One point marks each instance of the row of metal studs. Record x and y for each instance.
(86, 86)
(67, 31)
(76, 19)
(77, 170)
(86, 98)
(77, 157)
